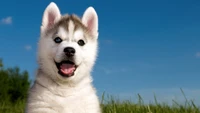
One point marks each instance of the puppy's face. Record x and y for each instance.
(68, 44)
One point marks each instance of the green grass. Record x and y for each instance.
(114, 105)
(7, 107)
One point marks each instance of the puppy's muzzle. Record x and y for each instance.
(69, 51)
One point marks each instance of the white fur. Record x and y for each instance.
(71, 29)
(52, 93)
(90, 19)
(51, 16)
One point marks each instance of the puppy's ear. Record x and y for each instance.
(90, 20)
(50, 16)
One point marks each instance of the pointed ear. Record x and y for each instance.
(90, 20)
(50, 16)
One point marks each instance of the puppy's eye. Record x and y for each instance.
(81, 43)
(57, 40)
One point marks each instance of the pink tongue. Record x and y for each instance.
(67, 69)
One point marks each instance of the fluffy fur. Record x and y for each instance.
(51, 92)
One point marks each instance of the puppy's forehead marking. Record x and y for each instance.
(69, 23)
(67, 19)
(78, 34)
(71, 29)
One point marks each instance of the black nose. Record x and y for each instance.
(69, 51)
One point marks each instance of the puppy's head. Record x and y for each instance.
(68, 44)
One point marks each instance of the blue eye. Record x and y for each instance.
(58, 40)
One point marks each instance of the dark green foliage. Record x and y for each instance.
(13, 85)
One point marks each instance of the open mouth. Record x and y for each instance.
(66, 68)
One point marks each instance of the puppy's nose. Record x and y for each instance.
(69, 51)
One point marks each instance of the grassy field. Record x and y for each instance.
(110, 104)
(117, 106)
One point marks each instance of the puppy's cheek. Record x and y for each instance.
(78, 60)
(53, 52)
(57, 57)
(78, 55)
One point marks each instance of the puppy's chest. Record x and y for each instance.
(75, 102)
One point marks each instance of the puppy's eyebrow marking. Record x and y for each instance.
(78, 34)
(62, 33)
(55, 34)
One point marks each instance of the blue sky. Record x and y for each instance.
(146, 46)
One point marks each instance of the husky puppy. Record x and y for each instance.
(66, 54)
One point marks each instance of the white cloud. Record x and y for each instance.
(198, 55)
(7, 20)
(106, 70)
(28, 47)
(108, 41)
(110, 70)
